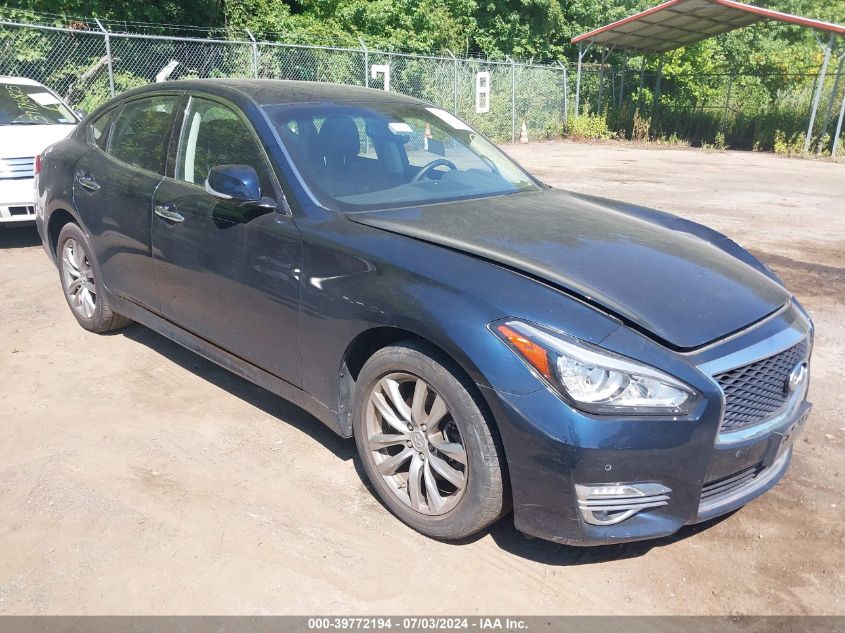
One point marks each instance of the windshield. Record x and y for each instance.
(22, 104)
(361, 156)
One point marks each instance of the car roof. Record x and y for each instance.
(278, 91)
(4, 79)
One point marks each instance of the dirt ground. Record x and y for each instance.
(136, 477)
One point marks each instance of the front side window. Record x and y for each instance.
(23, 104)
(376, 155)
(213, 135)
(141, 130)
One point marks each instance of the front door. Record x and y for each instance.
(227, 273)
(113, 192)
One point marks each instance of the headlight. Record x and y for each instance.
(594, 379)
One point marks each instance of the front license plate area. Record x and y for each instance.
(780, 442)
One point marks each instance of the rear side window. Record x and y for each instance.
(98, 129)
(141, 130)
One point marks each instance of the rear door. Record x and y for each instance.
(113, 191)
(227, 273)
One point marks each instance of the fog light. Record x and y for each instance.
(609, 504)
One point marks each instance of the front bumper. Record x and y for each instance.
(705, 479)
(17, 196)
(572, 474)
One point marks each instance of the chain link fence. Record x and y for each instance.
(88, 65)
(762, 111)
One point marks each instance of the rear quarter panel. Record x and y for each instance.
(54, 186)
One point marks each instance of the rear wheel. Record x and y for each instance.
(81, 283)
(425, 444)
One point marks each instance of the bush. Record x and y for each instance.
(793, 146)
(640, 128)
(589, 127)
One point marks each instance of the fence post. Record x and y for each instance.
(108, 55)
(366, 62)
(817, 97)
(513, 98)
(454, 81)
(565, 98)
(254, 53)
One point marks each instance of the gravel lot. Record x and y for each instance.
(136, 477)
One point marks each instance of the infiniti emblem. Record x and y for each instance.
(418, 440)
(796, 377)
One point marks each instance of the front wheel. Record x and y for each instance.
(425, 444)
(81, 283)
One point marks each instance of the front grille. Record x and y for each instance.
(21, 211)
(754, 392)
(11, 168)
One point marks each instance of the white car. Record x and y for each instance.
(32, 118)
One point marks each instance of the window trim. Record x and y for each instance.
(176, 141)
(178, 94)
(89, 133)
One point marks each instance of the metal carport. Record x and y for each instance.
(678, 23)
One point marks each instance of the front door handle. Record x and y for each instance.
(168, 212)
(87, 181)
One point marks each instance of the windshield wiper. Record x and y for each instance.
(27, 123)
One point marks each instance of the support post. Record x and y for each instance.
(642, 76)
(622, 77)
(655, 107)
(817, 96)
(604, 57)
(581, 52)
(108, 55)
(831, 101)
(601, 84)
(254, 53)
(727, 102)
(454, 82)
(366, 62)
(838, 128)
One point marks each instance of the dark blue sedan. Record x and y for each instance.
(609, 372)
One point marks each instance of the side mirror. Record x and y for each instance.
(238, 183)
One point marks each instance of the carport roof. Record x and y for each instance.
(678, 23)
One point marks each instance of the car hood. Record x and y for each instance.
(25, 141)
(684, 290)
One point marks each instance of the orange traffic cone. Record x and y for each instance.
(523, 133)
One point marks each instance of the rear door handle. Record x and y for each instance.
(87, 181)
(168, 212)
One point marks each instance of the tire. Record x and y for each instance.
(437, 506)
(86, 298)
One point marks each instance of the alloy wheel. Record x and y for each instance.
(79, 279)
(416, 444)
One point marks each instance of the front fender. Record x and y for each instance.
(356, 278)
